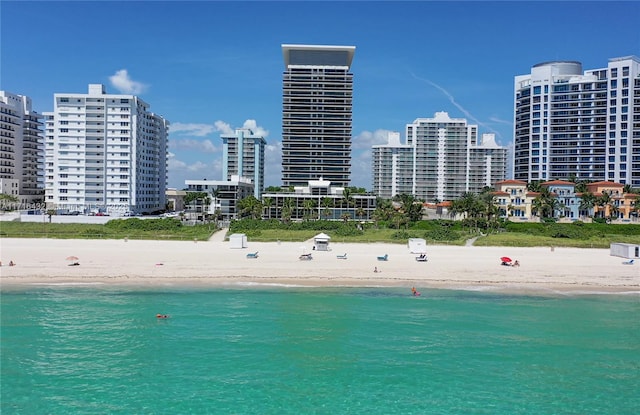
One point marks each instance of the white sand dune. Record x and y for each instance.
(133, 262)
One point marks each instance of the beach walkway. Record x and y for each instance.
(219, 236)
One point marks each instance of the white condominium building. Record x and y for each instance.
(450, 160)
(105, 152)
(21, 151)
(243, 156)
(447, 160)
(317, 107)
(392, 167)
(570, 124)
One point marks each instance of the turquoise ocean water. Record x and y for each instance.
(101, 350)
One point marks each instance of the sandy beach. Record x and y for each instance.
(214, 262)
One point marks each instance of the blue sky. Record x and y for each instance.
(212, 66)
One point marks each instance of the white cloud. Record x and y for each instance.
(198, 166)
(223, 127)
(366, 139)
(175, 164)
(180, 171)
(198, 130)
(361, 169)
(273, 164)
(201, 146)
(190, 145)
(257, 130)
(125, 85)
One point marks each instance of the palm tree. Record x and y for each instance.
(473, 208)
(267, 203)
(587, 203)
(215, 193)
(308, 205)
(347, 197)
(327, 204)
(603, 202)
(488, 200)
(287, 210)
(250, 206)
(456, 208)
(398, 219)
(545, 203)
(581, 186)
(635, 206)
(535, 186)
(384, 210)
(411, 207)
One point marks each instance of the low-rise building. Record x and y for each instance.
(568, 201)
(318, 200)
(513, 199)
(223, 197)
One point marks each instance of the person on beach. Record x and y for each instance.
(375, 269)
(516, 264)
(11, 263)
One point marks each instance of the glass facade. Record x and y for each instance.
(317, 107)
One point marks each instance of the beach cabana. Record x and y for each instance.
(417, 246)
(238, 241)
(321, 242)
(624, 250)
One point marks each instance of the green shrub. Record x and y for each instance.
(401, 235)
(442, 234)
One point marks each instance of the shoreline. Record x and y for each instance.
(210, 264)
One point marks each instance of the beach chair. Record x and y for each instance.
(341, 256)
(421, 258)
(305, 257)
(629, 262)
(385, 257)
(252, 255)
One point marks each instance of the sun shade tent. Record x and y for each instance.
(417, 246)
(238, 241)
(321, 242)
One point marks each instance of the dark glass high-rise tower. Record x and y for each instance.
(317, 108)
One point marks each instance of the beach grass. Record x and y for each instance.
(92, 231)
(434, 233)
(526, 240)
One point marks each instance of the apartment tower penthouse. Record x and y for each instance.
(450, 159)
(574, 125)
(105, 152)
(243, 156)
(21, 150)
(317, 101)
